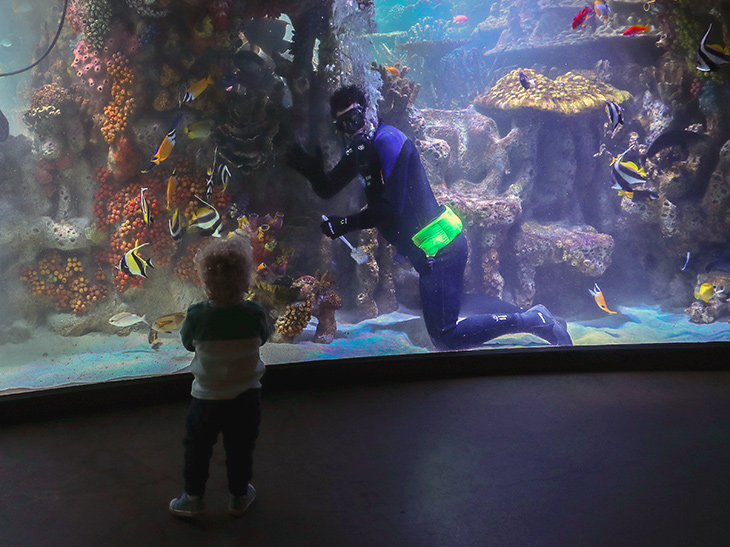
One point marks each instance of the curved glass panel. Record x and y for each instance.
(505, 174)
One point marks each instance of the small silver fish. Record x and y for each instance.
(126, 319)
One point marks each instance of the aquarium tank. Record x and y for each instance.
(511, 175)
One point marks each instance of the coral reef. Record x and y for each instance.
(64, 281)
(581, 248)
(570, 93)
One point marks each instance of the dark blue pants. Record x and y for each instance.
(238, 419)
(440, 285)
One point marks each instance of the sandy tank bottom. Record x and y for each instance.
(49, 361)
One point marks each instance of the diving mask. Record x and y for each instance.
(350, 122)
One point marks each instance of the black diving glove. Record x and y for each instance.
(334, 227)
(310, 166)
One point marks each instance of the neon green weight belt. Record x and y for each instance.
(438, 233)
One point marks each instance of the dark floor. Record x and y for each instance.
(630, 459)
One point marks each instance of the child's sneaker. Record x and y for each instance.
(187, 506)
(239, 504)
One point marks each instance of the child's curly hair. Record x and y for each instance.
(224, 269)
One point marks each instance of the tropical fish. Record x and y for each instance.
(199, 130)
(583, 15)
(168, 323)
(626, 173)
(601, 9)
(711, 57)
(209, 184)
(460, 19)
(133, 264)
(393, 71)
(707, 291)
(176, 229)
(686, 262)
(597, 295)
(267, 34)
(224, 173)
(126, 319)
(194, 91)
(171, 187)
(164, 148)
(152, 337)
(4, 127)
(674, 137)
(639, 195)
(145, 206)
(615, 114)
(635, 30)
(207, 218)
(524, 82)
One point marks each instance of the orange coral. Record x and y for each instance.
(64, 280)
(122, 104)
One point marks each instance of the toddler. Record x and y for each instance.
(225, 333)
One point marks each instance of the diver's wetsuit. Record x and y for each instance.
(400, 203)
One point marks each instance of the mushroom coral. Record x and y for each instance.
(570, 93)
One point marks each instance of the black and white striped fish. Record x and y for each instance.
(711, 57)
(133, 264)
(209, 184)
(145, 206)
(207, 218)
(176, 229)
(224, 174)
(615, 113)
(626, 173)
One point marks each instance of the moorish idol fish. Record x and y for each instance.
(615, 114)
(209, 184)
(639, 195)
(133, 264)
(164, 148)
(597, 295)
(145, 206)
(626, 173)
(711, 57)
(224, 173)
(207, 218)
(176, 229)
(195, 90)
(171, 187)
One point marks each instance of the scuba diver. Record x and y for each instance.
(401, 204)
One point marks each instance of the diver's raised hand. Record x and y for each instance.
(311, 166)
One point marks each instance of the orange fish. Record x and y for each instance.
(461, 19)
(597, 295)
(636, 30)
(171, 187)
(164, 148)
(393, 71)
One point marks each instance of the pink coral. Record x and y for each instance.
(89, 67)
